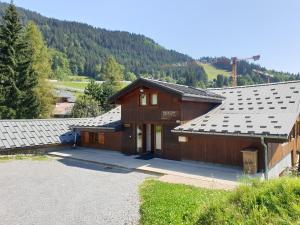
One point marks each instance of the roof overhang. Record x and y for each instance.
(136, 84)
(277, 137)
(98, 129)
(142, 82)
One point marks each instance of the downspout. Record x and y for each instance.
(75, 137)
(266, 171)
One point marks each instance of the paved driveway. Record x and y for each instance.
(67, 192)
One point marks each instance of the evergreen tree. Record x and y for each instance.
(41, 64)
(10, 39)
(220, 80)
(18, 79)
(101, 93)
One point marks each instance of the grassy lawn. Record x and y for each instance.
(72, 84)
(256, 202)
(6, 158)
(213, 72)
(164, 203)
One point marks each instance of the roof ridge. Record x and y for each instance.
(256, 85)
(49, 119)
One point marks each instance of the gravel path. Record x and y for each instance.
(67, 192)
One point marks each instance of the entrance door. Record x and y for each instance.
(158, 139)
(148, 138)
(139, 139)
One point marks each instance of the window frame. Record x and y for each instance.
(151, 103)
(140, 99)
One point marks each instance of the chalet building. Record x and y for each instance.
(256, 127)
(65, 102)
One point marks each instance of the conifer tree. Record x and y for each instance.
(17, 77)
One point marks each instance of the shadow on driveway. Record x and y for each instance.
(92, 166)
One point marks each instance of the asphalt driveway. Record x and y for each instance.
(67, 192)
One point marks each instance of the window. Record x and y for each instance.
(143, 99)
(158, 132)
(93, 138)
(101, 138)
(154, 99)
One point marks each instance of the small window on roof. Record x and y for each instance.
(143, 99)
(154, 99)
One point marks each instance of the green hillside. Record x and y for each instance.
(212, 72)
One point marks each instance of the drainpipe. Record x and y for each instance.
(75, 136)
(266, 172)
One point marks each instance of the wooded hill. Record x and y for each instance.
(86, 47)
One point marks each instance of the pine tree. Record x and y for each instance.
(10, 39)
(17, 77)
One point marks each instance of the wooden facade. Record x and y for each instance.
(148, 115)
(101, 140)
(168, 113)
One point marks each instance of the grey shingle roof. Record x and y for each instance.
(39, 132)
(263, 110)
(59, 93)
(186, 92)
(110, 120)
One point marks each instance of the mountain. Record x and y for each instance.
(86, 48)
(248, 73)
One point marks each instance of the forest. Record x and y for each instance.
(80, 49)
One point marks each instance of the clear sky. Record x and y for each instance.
(196, 27)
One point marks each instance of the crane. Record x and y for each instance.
(234, 61)
(267, 75)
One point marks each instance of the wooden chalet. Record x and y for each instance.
(225, 126)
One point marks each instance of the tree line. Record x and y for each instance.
(246, 72)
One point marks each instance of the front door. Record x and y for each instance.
(149, 138)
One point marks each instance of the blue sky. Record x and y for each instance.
(196, 27)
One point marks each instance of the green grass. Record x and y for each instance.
(7, 158)
(272, 202)
(255, 202)
(72, 84)
(213, 72)
(77, 78)
(164, 203)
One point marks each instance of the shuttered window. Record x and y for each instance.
(101, 138)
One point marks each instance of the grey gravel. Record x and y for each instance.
(67, 192)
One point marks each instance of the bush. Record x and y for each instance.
(271, 202)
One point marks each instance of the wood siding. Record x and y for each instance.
(279, 150)
(106, 141)
(219, 149)
(169, 113)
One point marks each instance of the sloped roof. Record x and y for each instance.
(63, 109)
(60, 93)
(186, 92)
(36, 132)
(257, 110)
(109, 121)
